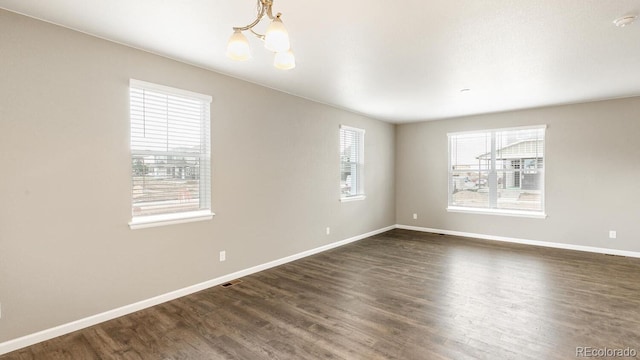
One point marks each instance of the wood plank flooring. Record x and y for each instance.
(397, 295)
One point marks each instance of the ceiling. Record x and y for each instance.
(396, 61)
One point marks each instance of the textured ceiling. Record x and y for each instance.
(396, 61)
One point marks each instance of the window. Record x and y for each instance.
(498, 171)
(351, 163)
(170, 155)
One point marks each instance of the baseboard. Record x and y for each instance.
(525, 241)
(63, 329)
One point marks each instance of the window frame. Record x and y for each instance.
(359, 165)
(536, 214)
(204, 181)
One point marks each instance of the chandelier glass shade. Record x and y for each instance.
(238, 47)
(276, 39)
(284, 60)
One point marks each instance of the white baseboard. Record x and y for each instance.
(63, 329)
(524, 241)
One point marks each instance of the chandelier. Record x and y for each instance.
(275, 39)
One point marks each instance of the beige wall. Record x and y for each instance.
(592, 162)
(66, 251)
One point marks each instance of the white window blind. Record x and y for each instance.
(351, 163)
(170, 151)
(499, 170)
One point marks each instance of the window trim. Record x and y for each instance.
(147, 221)
(493, 211)
(362, 194)
(168, 90)
(353, 198)
(503, 212)
(143, 222)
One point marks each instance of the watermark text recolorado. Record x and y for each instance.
(586, 351)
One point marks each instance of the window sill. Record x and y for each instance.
(143, 222)
(516, 213)
(353, 198)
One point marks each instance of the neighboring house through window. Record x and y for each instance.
(351, 163)
(498, 171)
(170, 155)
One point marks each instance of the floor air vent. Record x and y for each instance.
(231, 283)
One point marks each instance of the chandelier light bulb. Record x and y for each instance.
(277, 38)
(238, 47)
(284, 60)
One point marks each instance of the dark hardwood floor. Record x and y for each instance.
(398, 295)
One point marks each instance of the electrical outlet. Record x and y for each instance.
(415, 216)
(223, 255)
(328, 230)
(612, 234)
